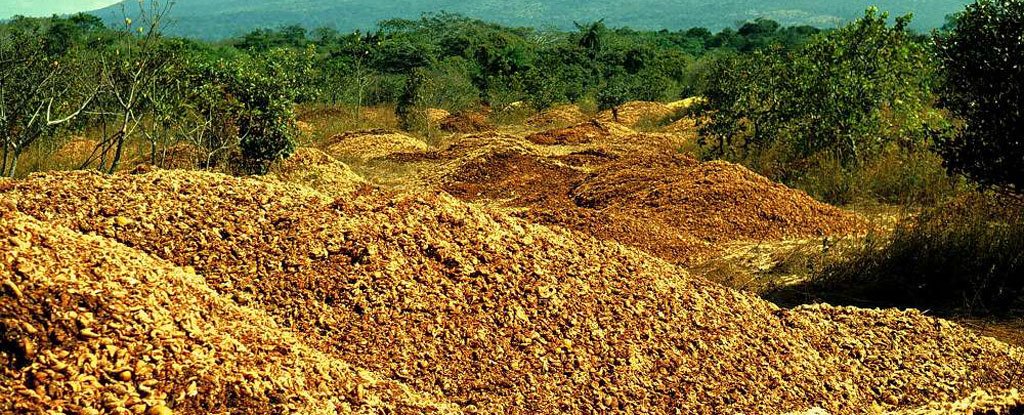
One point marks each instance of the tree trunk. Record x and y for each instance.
(853, 149)
(121, 135)
(117, 152)
(152, 151)
(14, 163)
(3, 167)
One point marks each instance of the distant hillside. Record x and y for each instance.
(213, 19)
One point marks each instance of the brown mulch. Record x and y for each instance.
(713, 201)
(442, 303)
(588, 158)
(557, 116)
(370, 144)
(90, 326)
(669, 205)
(466, 122)
(318, 170)
(528, 179)
(578, 134)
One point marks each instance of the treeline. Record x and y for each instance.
(460, 62)
(234, 99)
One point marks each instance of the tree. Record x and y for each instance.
(44, 83)
(591, 37)
(758, 34)
(614, 93)
(982, 58)
(845, 95)
(406, 108)
(128, 69)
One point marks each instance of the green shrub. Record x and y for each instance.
(448, 85)
(983, 62)
(824, 115)
(243, 107)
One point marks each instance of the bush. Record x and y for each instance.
(241, 108)
(842, 99)
(965, 257)
(983, 61)
(448, 85)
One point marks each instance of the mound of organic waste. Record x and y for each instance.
(715, 201)
(370, 144)
(578, 134)
(588, 158)
(466, 122)
(540, 187)
(455, 301)
(666, 204)
(435, 115)
(635, 112)
(557, 116)
(318, 170)
(524, 177)
(91, 326)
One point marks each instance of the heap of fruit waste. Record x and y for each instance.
(193, 293)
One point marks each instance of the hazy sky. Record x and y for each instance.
(10, 8)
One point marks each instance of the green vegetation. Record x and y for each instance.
(42, 82)
(824, 115)
(983, 62)
(129, 85)
(872, 112)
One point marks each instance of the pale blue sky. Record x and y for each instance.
(10, 8)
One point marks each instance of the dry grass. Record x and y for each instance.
(326, 121)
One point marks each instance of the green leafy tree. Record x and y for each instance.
(614, 93)
(845, 95)
(406, 108)
(44, 83)
(982, 57)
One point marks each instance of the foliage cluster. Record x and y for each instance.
(982, 58)
(233, 101)
(463, 62)
(830, 110)
(63, 75)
